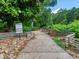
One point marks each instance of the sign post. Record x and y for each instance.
(19, 29)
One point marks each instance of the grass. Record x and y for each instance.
(59, 42)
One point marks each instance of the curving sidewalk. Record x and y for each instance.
(43, 47)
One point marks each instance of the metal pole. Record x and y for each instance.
(19, 36)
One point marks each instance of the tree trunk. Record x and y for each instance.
(9, 26)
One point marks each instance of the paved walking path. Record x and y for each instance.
(43, 47)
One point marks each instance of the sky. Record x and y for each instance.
(68, 4)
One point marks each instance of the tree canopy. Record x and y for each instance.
(22, 10)
(66, 16)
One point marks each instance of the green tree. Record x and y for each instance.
(25, 11)
(66, 16)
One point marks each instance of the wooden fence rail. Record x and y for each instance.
(71, 40)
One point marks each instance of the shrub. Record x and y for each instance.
(1, 26)
(60, 28)
(74, 27)
(27, 28)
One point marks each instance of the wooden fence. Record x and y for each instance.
(71, 40)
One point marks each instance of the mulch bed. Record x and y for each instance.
(11, 47)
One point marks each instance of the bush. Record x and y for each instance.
(2, 26)
(60, 28)
(27, 28)
(73, 27)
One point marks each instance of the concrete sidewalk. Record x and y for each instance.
(43, 47)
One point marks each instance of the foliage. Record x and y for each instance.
(62, 28)
(2, 25)
(27, 11)
(74, 27)
(66, 20)
(27, 28)
(45, 19)
(65, 16)
(59, 42)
